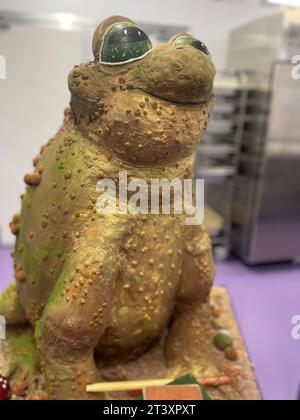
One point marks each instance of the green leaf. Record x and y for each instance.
(205, 395)
(185, 380)
(191, 380)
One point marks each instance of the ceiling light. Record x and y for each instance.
(66, 20)
(295, 3)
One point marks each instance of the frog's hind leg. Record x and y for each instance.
(75, 318)
(10, 307)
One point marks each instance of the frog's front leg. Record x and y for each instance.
(77, 315)
(189, 346)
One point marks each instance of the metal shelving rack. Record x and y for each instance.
(218, 157)
(265, 217)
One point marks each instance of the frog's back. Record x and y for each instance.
(59, 198)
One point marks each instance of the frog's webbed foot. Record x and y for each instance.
(190, 350)
(190, 347)
(21, 361)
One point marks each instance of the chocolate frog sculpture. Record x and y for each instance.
(117, 297)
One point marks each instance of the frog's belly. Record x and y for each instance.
(144, 301)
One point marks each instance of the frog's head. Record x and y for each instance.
(146, 105)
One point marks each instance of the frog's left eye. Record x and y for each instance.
(189, 40)
(123, 43)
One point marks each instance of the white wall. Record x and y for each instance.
(33, 97)
(32, 100)
(210, 20)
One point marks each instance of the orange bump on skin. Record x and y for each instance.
(37, 396)
(20, 276)
(68, 174)
(36, 160)
(33, 179)
(40, 169)
(15, 225)
(20, 387)
(44, 223)
(231, 354)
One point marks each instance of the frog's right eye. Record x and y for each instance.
(124, 43)
(189, 40)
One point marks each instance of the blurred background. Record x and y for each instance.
(250, 156)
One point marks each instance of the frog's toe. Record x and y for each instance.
(21, 361)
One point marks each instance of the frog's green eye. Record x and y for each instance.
(123, 43)
(189, 40)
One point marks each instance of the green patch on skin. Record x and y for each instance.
(104, 74)
(136, 73)
(58, 169)
(21, 355)
(60, 286)
(5, 298)
(10, 306)
(27, 199)
(66, 162)
(34, 260)
(38, 330)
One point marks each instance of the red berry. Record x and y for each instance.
(135, 393)
(4, 389)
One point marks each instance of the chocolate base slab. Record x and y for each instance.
(244, 384)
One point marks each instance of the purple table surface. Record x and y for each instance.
(265, 299)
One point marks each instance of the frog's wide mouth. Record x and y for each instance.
(174, 102)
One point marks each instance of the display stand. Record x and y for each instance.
(244, 384)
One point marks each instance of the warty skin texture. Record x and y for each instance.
(111, 297)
